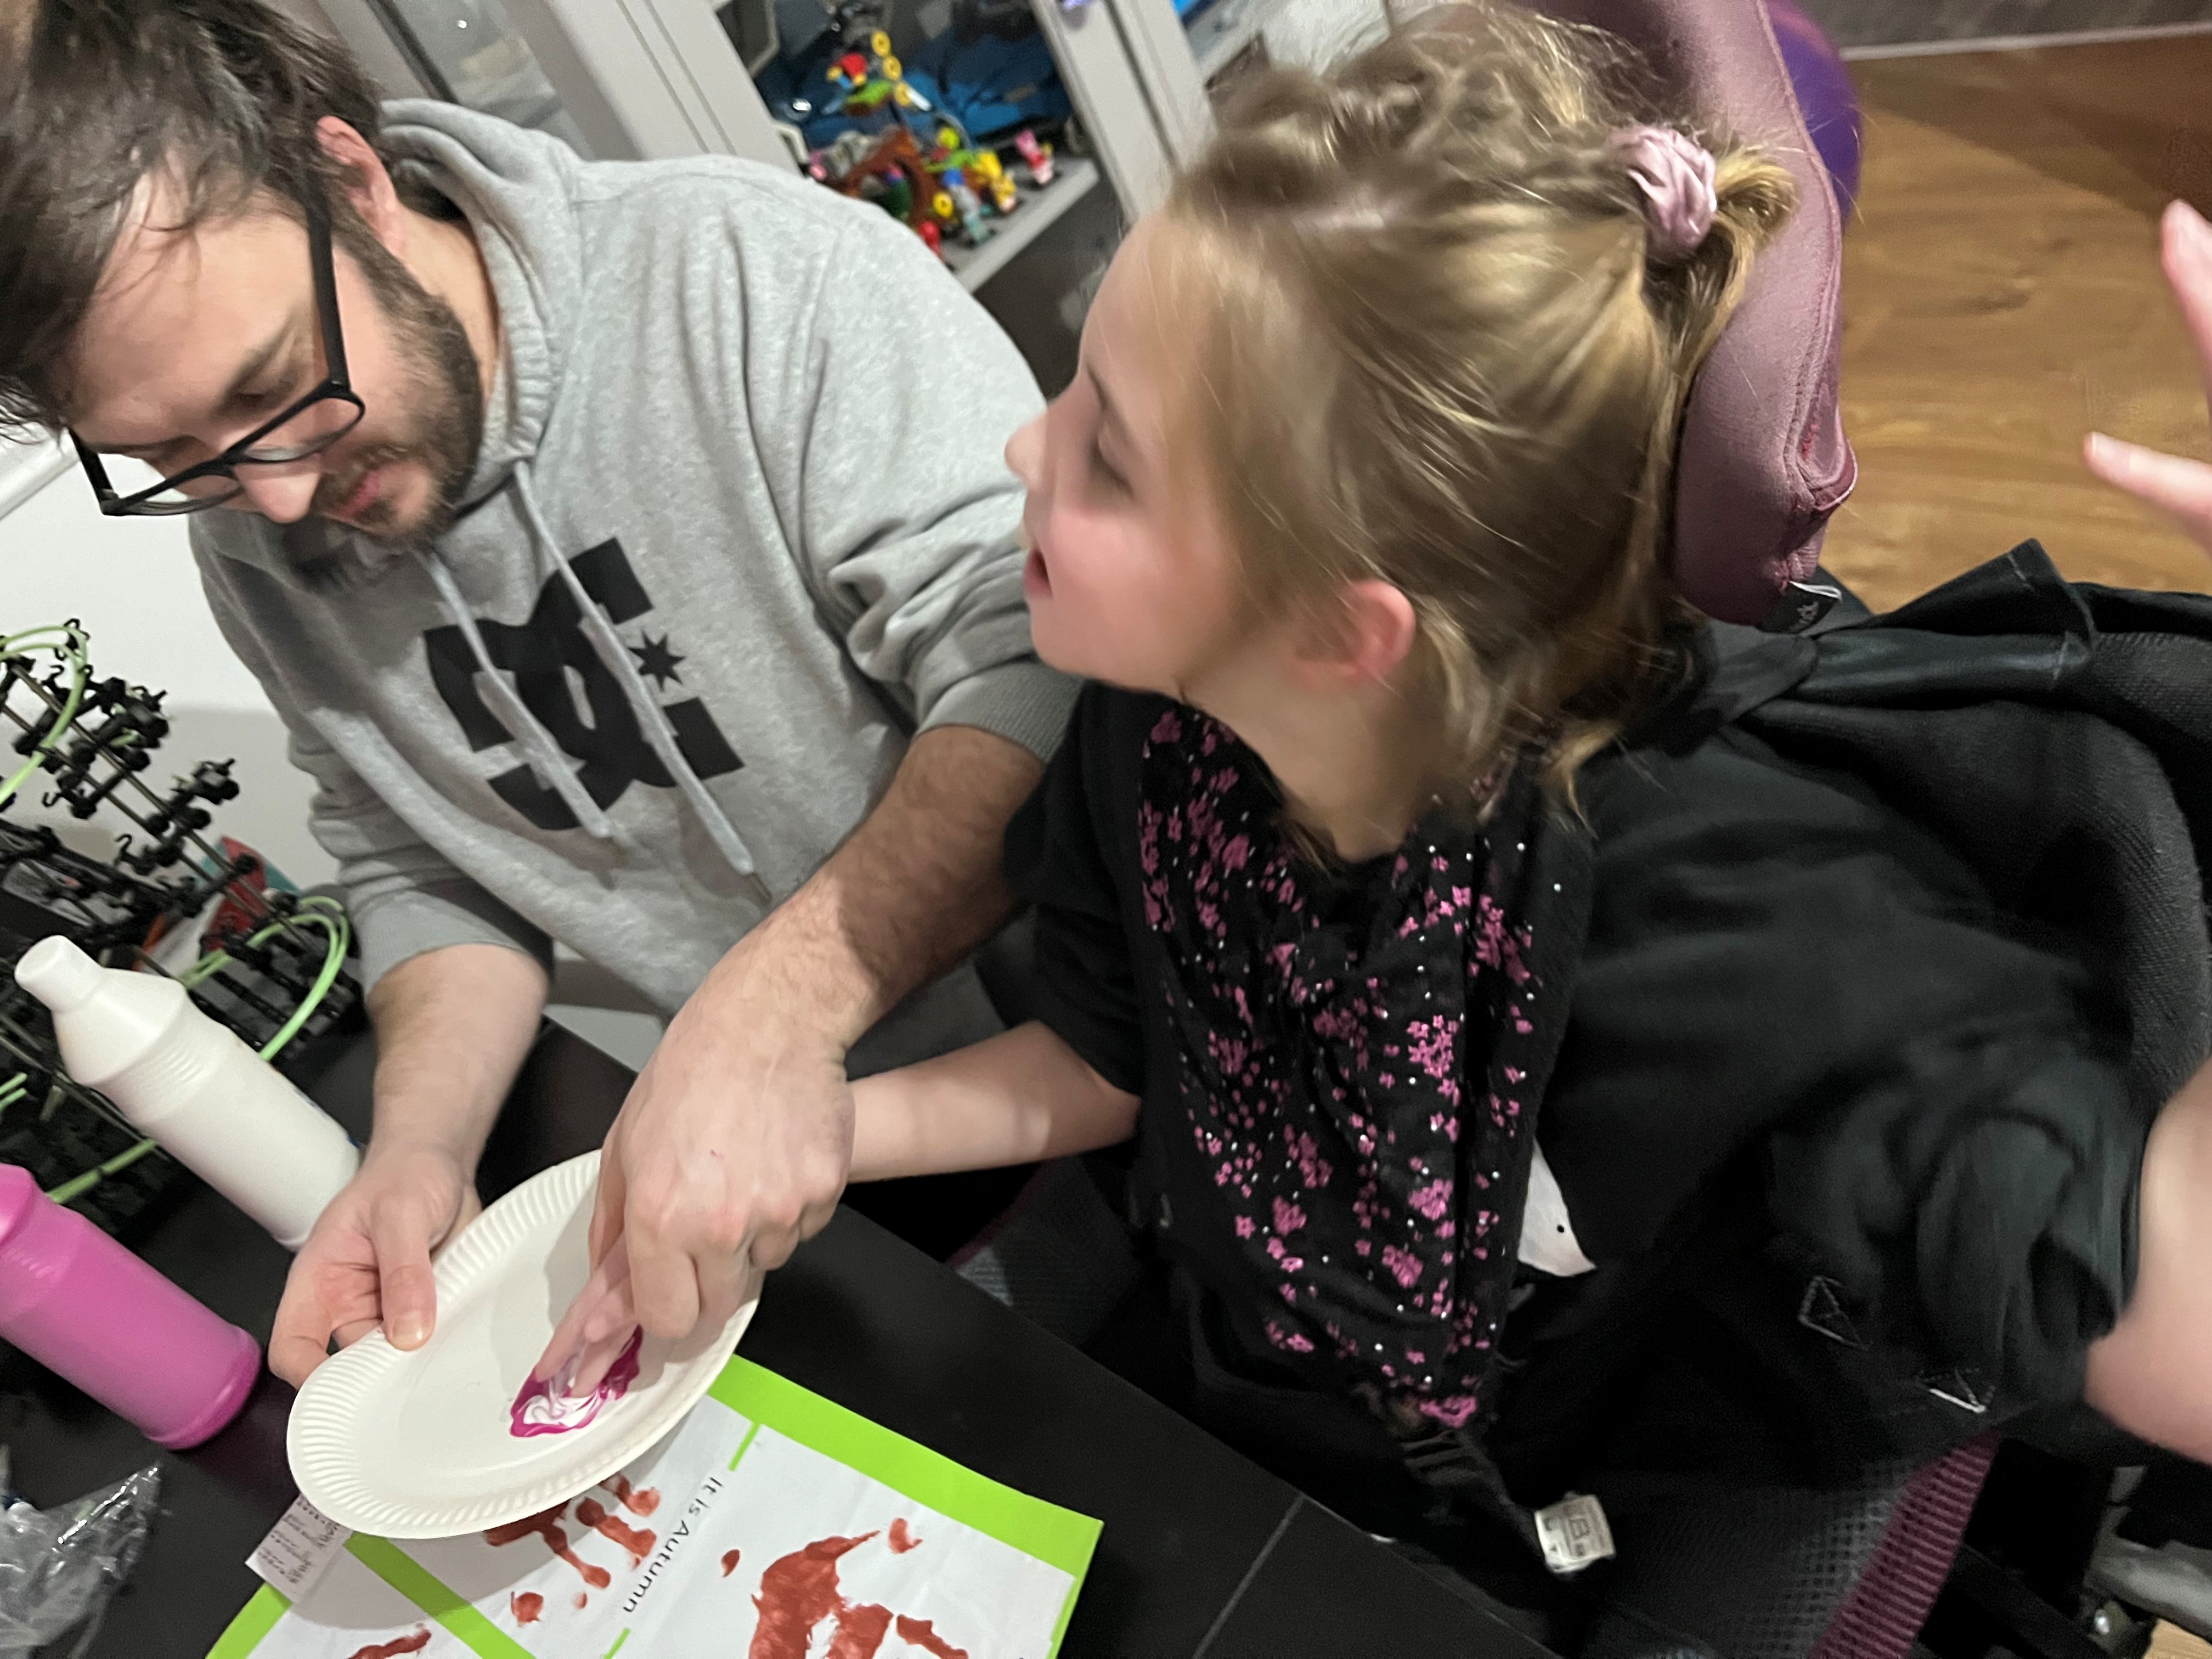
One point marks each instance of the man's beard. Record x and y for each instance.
(445, 415)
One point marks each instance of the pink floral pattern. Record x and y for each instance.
(1345, 1045)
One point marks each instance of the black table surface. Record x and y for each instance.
(1203, 1553)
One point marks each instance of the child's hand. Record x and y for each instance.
(2182, 488)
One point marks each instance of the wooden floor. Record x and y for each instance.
(1889, 23)
(2002, 295)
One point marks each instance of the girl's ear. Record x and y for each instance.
(1361, 640)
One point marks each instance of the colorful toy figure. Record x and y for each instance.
(871, 79)
(939, 182)
(851, 151)
(971, 212)
(1037, 156)
(987, 176)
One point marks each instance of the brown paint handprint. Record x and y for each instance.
(637, 1541)
(545, 1524)
(799, 1593)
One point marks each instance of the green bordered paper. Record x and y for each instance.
(771, 1522)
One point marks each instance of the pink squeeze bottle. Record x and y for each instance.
(87, 1309)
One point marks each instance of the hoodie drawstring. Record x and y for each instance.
(544, 755)
(615, 657)
(619, 662)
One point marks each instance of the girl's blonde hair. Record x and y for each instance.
(1437, 351)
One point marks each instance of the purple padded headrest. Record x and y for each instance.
(1764, 459)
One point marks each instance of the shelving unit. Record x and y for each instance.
(1039, 211)
(646, 79)
(1225, 28)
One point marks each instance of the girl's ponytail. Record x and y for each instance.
(1696, 290)
(1449, 300)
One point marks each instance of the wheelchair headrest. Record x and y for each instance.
(1764, 460)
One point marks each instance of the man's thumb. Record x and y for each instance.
(407, 1288)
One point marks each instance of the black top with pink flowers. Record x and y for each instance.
(1729, 987)
(1325, 1026)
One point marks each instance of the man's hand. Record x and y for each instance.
(733, 1143)
(367, 1261)
(2179, 486)
(451, 1028)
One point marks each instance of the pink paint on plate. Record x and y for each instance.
(537, 1410)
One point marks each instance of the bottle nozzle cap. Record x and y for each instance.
(58, 973)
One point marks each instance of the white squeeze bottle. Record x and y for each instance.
(190, 1085)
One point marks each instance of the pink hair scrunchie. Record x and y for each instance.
(1675, 173)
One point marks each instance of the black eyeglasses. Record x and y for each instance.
(306, 428)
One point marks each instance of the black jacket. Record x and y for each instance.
(1881, 948)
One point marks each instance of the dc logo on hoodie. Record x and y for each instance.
(541, 654)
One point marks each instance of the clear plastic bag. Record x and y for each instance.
(58, 1566)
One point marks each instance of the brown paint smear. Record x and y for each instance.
(797, 1592)
(900, 1539)
(546, 1525)
(729, 1562)
(923, 1634)
(582, 1602)
(413, 1643)
(637, 1502)
(859, 1632)
(638, 1541)
(525, 1606)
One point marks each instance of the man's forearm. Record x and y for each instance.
(452, 1026)
(914, 891)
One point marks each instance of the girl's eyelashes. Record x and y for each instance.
(1103, 471)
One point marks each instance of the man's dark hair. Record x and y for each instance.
(221, 96)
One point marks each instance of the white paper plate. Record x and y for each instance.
(420, 1445)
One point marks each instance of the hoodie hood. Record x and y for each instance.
(515, 189)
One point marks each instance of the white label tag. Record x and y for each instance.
(1574, 1534)
(299, 1549)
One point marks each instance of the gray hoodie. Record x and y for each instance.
(738, 528)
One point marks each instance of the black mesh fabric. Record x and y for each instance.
(1752, 1572)
(1059, 1256)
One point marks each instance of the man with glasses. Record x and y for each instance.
(626, 547)
(302, 430)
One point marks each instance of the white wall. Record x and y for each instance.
(1315, 30)
(132, 583)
